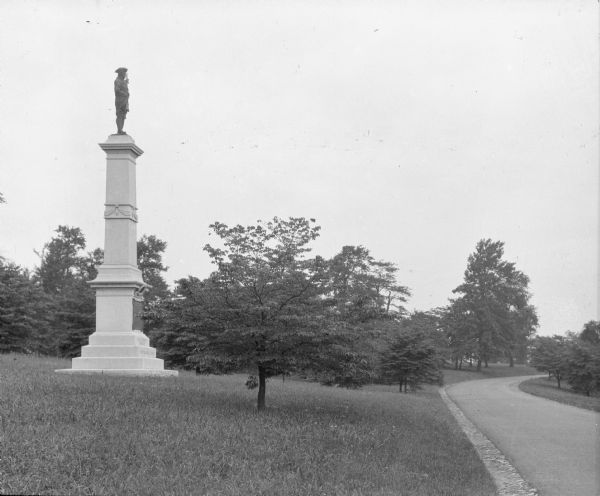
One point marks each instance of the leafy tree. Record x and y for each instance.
(583, 367)
(268, 310)
(150, 250)
(63, 273)
(460, 328)
(412, 360)
(60, 259)
(176, 324)
(23, 308)
(494, 303)
(2, 200)
(363, 288)
(549, 354)
(583, 360)
(591, 332)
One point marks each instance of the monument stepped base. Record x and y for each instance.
(119, 353)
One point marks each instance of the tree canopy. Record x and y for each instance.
(492, 314)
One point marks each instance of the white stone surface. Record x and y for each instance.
(116, 348)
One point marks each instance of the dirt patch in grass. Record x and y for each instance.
(548, 388)
(202, 435)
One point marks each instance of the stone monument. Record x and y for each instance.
(116, 347)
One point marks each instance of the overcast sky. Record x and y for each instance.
(414, 128)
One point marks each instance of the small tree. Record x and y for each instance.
(411, 360)
(267, 308)
(549, 354)
(583, 360)
(583, 367)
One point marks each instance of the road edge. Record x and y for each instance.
(507, 478)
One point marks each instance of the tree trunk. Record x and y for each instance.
(262, 386)
(485, 361)
(478, 365)
(511, 360)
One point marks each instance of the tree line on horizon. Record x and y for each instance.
(270, 308)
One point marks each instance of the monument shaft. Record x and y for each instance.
(115, 347)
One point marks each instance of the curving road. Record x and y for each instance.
(555, 447)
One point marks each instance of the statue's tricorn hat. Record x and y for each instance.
(121, 70)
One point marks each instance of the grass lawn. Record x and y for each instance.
(548, 388)
(62, 434)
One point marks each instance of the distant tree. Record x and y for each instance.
(583, 367)
(2, 200)
(412, 360)
(429, 324)
(549, 354)
(460, 328)
(583, 360)
(178, 323)
(150, 250)
(494, 302)
(363, 288)
(63, 274)
(268, 310)
(23, 309)
(60, 259)
(591, 332)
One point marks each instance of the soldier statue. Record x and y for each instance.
(121, 97)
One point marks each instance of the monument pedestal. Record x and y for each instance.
(115, 347)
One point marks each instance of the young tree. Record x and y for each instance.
(549, 354)
(583, 367)
(268, 310)
(494, 300)
(412, 360)
(583, 360)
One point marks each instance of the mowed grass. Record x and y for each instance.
(78, 434)
(548, 388)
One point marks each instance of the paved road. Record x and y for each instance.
(555, 447)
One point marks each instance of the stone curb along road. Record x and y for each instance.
(506, 477)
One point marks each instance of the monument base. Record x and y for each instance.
(122, 372)
(118, 353)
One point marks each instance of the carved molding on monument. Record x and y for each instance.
(120, 211)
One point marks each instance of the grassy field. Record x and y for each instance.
(548, 388)
(202, 435)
